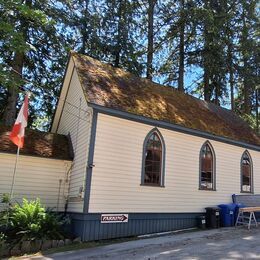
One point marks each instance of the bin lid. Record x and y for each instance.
(225, 206)
(212, 209)
(233, 206)
(230, 206)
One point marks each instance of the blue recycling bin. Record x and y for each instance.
(227, 214)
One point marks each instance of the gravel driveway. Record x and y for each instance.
(224, 243)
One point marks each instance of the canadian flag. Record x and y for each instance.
(18, 131)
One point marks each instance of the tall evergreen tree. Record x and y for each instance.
(118, 35)
(162, 40)
(182, 24)
(213, 55)
(31, 50)
(150, 38)
(230, 34)
(248, 51)
(84, 21)
(179, 40)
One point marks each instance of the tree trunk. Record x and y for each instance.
(257, 109)
(207, 92)
(84, 30)
(231, 77)
(10, 111)
(247, 87)
(17, 66)
(84, 39)
(230, 65)
(150, 49)
(217, 93)
(119, 34)
(247, 103)
(206, 77)
(181, 48)
(230, 71)
(206, 61)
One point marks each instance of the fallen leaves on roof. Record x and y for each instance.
(115, 88)
(38, 143)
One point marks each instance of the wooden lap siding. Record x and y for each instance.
(35, 178)
(116, 176)
(69, 125)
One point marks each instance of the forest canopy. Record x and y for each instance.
(206, 48)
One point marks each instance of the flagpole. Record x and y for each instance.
(15, 166)
(17, 135)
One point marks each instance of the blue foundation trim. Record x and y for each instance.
(88, 226)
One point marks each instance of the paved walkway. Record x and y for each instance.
(225, 243)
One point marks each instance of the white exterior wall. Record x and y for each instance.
(116, 176)
(35, 178)
(79, 127)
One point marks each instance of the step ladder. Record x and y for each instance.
(246, 216)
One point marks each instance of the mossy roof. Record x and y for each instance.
(38, 143)
(115, 88)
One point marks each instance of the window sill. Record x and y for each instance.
(248, 192)
(153, 186)
(207, 189)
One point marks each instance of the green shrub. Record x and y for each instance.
(26, 219)
(6, 199)
(53, 224)
(2, 240)
(31, 221)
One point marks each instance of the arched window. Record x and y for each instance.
(153, 159)
(207, 167)
(246, 173)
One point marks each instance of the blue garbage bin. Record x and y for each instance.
(227, 214)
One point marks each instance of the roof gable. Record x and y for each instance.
(114, 88)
